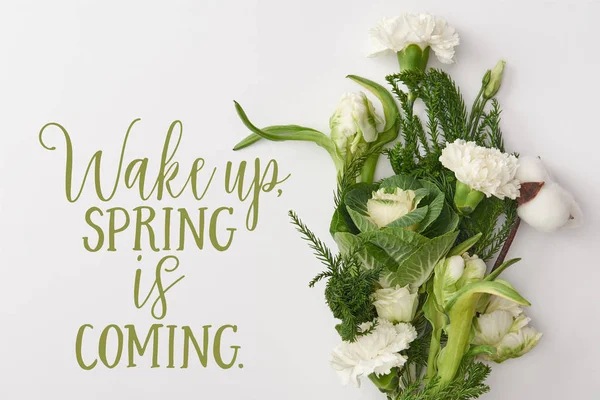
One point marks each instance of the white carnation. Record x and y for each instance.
(487, 170)
(425, 30)
(376, 352)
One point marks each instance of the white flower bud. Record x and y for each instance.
(474, 270)
(396, 304)
(448, 272)
(354, 123)
(455, 267)
(493, 85)
(384, 208)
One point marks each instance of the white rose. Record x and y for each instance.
(384, 208)
(353, 123)
(396, 304)
(392, 35)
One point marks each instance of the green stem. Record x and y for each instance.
(367, 174)
(434, 349)
(461, 319)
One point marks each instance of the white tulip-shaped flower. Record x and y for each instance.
(392, 35)
(377, 352)
(504, 327)
(354, 123)
(454, 273)
(384, 208)
(545, 205)
(397, 304)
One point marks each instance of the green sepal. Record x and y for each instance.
(386, 383)
(413, 57)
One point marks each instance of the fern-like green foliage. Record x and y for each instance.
(469, 384)
(349, 285)
(447, 120)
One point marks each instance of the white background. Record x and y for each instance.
(94, 66)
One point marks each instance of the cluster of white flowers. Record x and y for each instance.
(354, 119)
(375, 352)
(552, 207)
(505, 327)
(384, 208)
(487, 170)
(425, 30)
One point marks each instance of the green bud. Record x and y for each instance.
(466, 199)
(493, 85)
(386, 383)
(413, 57)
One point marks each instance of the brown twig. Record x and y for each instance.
(507, 244)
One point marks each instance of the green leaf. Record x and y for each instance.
(435, 201)
(289, 132)
(409, 219)
(395, 243)
(447, 222)
(494, 274)
(419, 266)
(491, 287)
(464, 246)
(357, 246)
(363, 223)
(253, 137)
(341, 222)
(358, 195)
(405, 182)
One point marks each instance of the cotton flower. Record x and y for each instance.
(482, 169)
(376, 352)
(392, 35)
(354, 123)
(384, 208)
(396, 304)
(548, 206)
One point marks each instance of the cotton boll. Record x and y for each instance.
(551, 209)
(531, 169)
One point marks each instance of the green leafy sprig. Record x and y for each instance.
(349, 285)
(448, 120)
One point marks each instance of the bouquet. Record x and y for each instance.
(416, 283)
